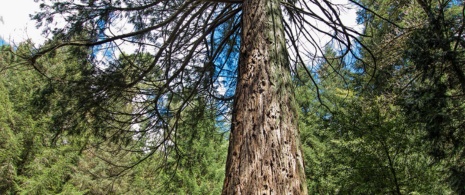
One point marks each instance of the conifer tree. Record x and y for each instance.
(419, 66)
(186, 40)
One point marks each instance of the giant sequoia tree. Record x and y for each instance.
(192, 46)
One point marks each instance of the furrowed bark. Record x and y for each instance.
(264, 154)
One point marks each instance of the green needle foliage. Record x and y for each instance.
(46, 149)
(359, 141)
(389, 120)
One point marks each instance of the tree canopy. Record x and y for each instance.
(142, 97)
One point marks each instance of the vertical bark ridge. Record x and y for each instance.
(264, 155)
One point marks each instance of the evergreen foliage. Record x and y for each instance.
(386, 117)
(40, 156)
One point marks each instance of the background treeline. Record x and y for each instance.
(386, 120)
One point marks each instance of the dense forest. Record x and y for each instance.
(220, 95)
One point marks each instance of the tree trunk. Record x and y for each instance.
(264, 154)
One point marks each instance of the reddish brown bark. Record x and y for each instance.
(264, 155)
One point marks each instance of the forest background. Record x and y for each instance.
(387, 118)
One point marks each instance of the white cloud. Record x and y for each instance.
(17, 26)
